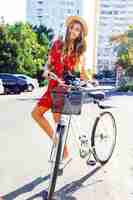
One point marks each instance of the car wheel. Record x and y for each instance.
(6, 90)
(30, 87)
(16, 90)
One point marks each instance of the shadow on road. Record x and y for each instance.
(66, 192)
(26, 188)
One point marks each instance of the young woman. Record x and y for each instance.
(64, 55)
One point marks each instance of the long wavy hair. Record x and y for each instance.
(79, 43)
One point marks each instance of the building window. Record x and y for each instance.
(69, 10)
(116, 12)
(40, 2)
(39, 9)
(39, 16)
(105, 6)
(103, 12)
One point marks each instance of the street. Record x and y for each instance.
(25, 148)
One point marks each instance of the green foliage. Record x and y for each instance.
(43, 83)
(129, 71)
(125, 53)
(122, 53)
(7, 51)
(44, 34)
(21, 49)
(122, 63)
(130, 33)
(126, 87)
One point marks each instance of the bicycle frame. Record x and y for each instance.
(65, 120)
(62, 132)
(62, 135)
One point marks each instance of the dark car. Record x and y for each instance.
(13, 84)
(106, 77)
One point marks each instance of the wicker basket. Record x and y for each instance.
(66, 102)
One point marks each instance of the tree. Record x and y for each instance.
(30, 54)
(44, 34)
(20, 51)
(124, 50)
(7, 50)
(23, 50)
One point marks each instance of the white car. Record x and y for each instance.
(31, 82)
(1, 87)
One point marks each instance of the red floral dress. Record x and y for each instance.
(58, 62)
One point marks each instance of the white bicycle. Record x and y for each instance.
(103, 137)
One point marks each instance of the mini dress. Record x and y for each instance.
(60, 64)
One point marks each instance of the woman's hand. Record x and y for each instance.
(62, 83)
(49, 75)
(45, 74)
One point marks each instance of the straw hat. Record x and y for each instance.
(70, 19)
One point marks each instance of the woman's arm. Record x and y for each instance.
(48, 68)
(83, 74)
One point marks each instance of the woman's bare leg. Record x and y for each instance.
(38, 116)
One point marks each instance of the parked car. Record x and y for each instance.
(106, 77)
(31, 82)
(1, 87)
(13, 84)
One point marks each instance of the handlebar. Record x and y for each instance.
(73, 81)
(90, 91)
(83, 86)
(51, 75)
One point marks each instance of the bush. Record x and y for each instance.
(43, 83)
(127, 87)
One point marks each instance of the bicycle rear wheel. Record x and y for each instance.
(55, 164)
(103, 138)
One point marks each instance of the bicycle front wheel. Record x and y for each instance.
(103, 137)
(55, 163)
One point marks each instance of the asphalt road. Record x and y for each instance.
(24, 154)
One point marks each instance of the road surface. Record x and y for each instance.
(24, 154)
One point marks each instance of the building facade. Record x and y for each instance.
(52, 13)
(115, 16)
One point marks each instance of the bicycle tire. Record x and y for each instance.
(93, 138)
(54, 172)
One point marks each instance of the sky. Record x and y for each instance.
(12, 10)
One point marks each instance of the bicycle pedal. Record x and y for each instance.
(91, 162)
